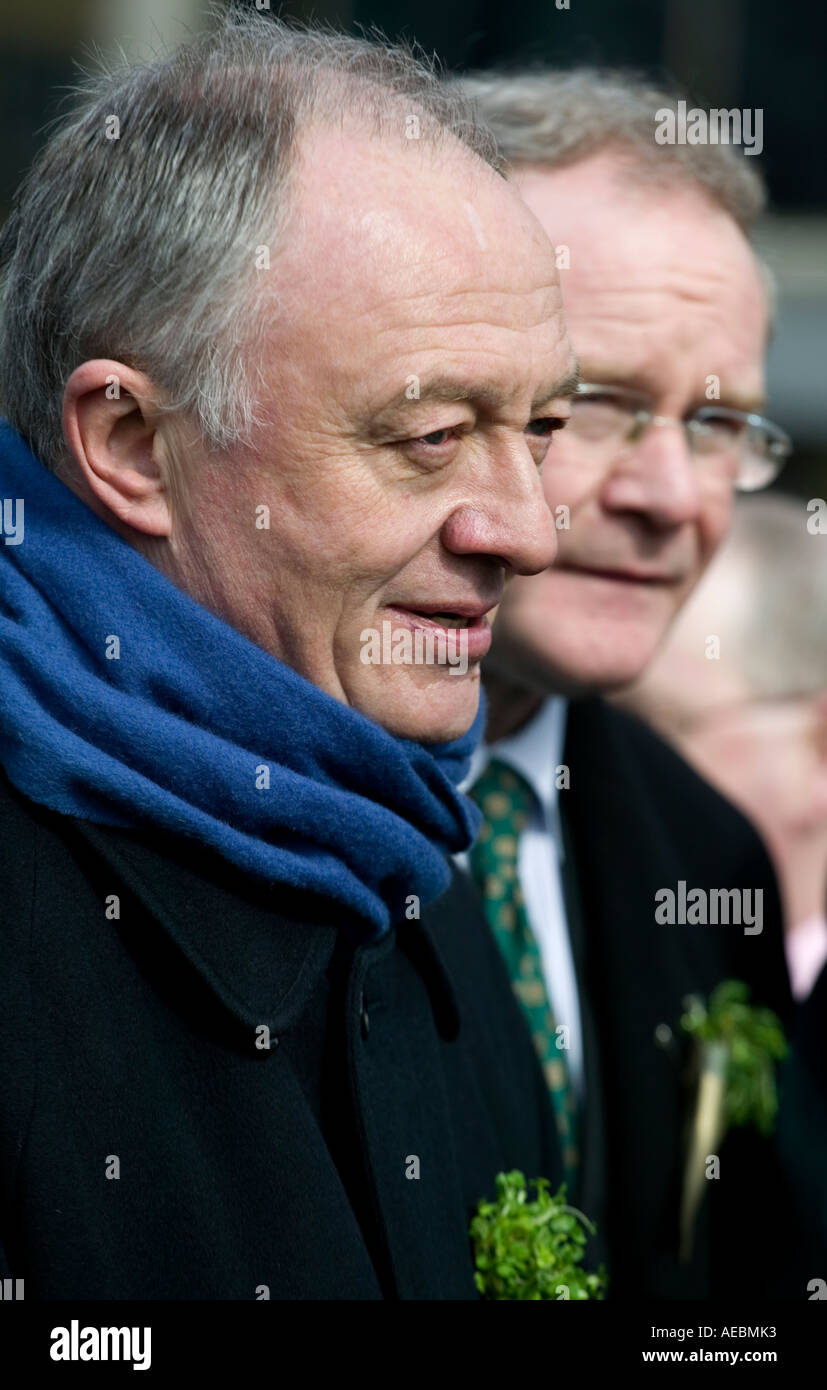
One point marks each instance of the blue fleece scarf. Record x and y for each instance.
(183, 731)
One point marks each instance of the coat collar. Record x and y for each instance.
(260, 949)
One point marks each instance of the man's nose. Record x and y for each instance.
(656, 476)
(507, 518)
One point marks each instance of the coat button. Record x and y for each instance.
(364, 1015)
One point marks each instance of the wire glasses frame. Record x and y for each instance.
(752, 446)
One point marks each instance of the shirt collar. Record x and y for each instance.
(535, 751)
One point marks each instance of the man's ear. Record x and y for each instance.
(112, 431)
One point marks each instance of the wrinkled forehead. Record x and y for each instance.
(660, 270)
(393, 254)
(376, 218)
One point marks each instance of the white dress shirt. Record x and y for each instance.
(536, 752)
(806, 947)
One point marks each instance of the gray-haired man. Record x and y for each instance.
(667, 310)
(250, 289)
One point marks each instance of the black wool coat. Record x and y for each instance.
(639, 819)
(154, 1146)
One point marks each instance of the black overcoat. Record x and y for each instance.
(154, 1146)
(638, 820)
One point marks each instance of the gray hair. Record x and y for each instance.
(551, 119)
(135, 233)
(779, 647)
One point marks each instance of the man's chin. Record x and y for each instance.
(425, 709)
(601, 673)
(576, 664)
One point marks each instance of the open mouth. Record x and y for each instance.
(474, 626)
(449, 618)
(445, 619)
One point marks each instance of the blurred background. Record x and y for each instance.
(726, 53)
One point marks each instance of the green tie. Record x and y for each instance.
(505, 799)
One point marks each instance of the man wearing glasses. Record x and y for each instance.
(740, 445)
(588, 816)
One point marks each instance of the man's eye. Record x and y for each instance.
(711, 423)
(434, 439)
(541, 429)
(546, 426)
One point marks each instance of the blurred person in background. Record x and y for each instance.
(588, 815)
(740, 687)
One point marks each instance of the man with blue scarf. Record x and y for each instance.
(281, 355)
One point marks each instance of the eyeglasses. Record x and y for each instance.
(743, 448)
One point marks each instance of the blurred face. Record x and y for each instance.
(768, 756)
(662, 294)
(415, 373)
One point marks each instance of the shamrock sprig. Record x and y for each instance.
(531, 1249)
(754, 1041)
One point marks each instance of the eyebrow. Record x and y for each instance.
(454, 390)
(732, 399)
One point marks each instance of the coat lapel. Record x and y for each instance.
(254, 949)
(591, 1187)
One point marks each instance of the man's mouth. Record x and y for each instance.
(467, 617)
(451, 613)
(445, 619)
(624, 576)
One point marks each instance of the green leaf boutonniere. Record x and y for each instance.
(736, 1048)
(531, 1250)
